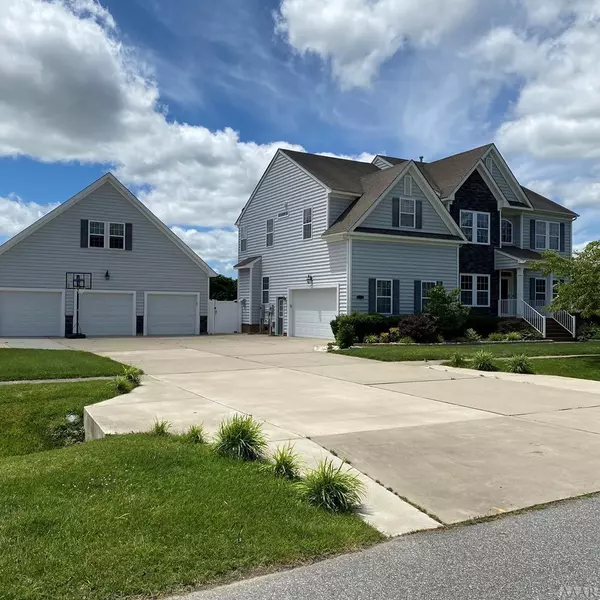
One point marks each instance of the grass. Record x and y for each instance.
(17, 364)
(140, 515)
(582, 368)
(27, 411)
(395, 353)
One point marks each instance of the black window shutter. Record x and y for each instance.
(83, 242)
(128, 236)
(417, 307)
(396, 297)
(562, 237)
(532, 234)
(418, 214)
(532, 291)
(440, 283)
(372, 296)
(395, 212)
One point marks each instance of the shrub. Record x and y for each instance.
(523, 327)
(394, 334)
(365, 325)
(406, 340)
(514, 336)
(440, 339)
(133, 374)
(371, 339)
(420, 328)
(286, 463)
(496, 337)
(331, 488)
(329, 347)
(472, 336)
(195, 435)
(457, 360)
(588, 331)
(160, 428)
(123, 384)
(67, 432)
(346, 336)
(484, 361)
(519, 363)
(483, 324)
(446, 309)
(241, 436)
(384, 338)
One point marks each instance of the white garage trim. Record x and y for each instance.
(54, 290)
(133, 300)
(197, 294)
(291, 304)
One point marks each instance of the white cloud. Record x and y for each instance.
(16, 214)
(217, 246)
(358, 36)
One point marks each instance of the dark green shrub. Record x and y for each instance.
(472, 336)
(331, 488)
(588, 331)
(446, 309)
(394, 334)
(483, 324)
(195, 435)
(519, 325)
(420, 328)
(133, 374)
(365, 325)
(346, 335)
(496, 337)
(406, 340)
(483, 361)
(519, 363)
(457, 360)
(514, 336)
(241, 436)
(122, 384)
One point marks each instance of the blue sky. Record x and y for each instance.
(187, 101)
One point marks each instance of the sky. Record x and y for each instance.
(186, 101)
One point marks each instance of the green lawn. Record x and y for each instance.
(581, 368)
(417, 352)
(142, 515)
(19, 363)
(27, 411)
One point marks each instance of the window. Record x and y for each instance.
(307, 224)
(507, 231)
(116, 236)
(475, 290)
(426, 287)
(540, 292)
(243, 239)
(265, 290)
(407, 213)
(547, 235)
(476, 226)
(408, 184)
(96, 234)
(269, 232)
(384, 296)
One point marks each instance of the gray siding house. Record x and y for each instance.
(136, 276)
(323, 236)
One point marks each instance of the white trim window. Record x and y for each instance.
(243, 238)
(383, 296)
(476, 226)
(270, 234)
(506, 230)
(96, 234)
(475, 290)
(408, 185)
(116, 236)
(547, 235)
(265, 290)
(307, 224)
(426, 287)
(407, 212)
(540, 292)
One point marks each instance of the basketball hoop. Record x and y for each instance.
(77, 281)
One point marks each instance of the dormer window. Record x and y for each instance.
(507, 231)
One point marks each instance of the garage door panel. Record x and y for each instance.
(106, 314)
(31, 313)
(313, 312)
(171, 314)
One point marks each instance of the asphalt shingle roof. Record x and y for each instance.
(542, 203)
(520, 253)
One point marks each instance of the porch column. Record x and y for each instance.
(520, 290)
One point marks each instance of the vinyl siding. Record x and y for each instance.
(154, 264)
(337, 206)
(503, 184)
(291, 259)
(256, 291)
(516, 223)
(404, 261)
(568, 230)
(381, 216)
(244, 292)
(526, 285)
(504, 262)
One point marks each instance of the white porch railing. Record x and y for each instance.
(508, 307)
(536, 319)
(566, 319)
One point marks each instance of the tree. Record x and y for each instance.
(446, 309)
(223, 288)
(578, 278)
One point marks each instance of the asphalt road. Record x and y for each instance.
(541, 554)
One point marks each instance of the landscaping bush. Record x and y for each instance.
(133, 374)
(472, 336)
(331, 488)
(195, 435)
(420, 328)
(384, 338)
(588, 331)
(446, 310)
(519, 325)
(496, 337)
(241, 437)
(394, 334)
(483, 324)
(122, 384)
(160, 428)
(286, 463)
(371, 339)
(365, 325)
(484, 361)
(457, 360)
(440, 339)
(406, 340)
(346, 335)
(514, 336)
(519, 363)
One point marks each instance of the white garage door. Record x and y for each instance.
(102, 313)
(31, 313)
(313, 311)
(171, 314)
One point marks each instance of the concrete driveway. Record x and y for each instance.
(455, 443)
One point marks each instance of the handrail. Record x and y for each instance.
(536, 319)
(566, 319)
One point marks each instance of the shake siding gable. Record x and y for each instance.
(155, 263)
(291, 259)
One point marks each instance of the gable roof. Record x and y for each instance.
(540, 202)
(111, 179)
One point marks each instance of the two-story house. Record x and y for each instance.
(323, 236)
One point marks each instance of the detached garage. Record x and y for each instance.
(29, 312)
(312, 312)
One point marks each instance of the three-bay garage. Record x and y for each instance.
(32, 312)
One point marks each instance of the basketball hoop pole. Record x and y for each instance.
(76, 282)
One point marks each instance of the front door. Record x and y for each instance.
(508, 303)
(280, 311)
